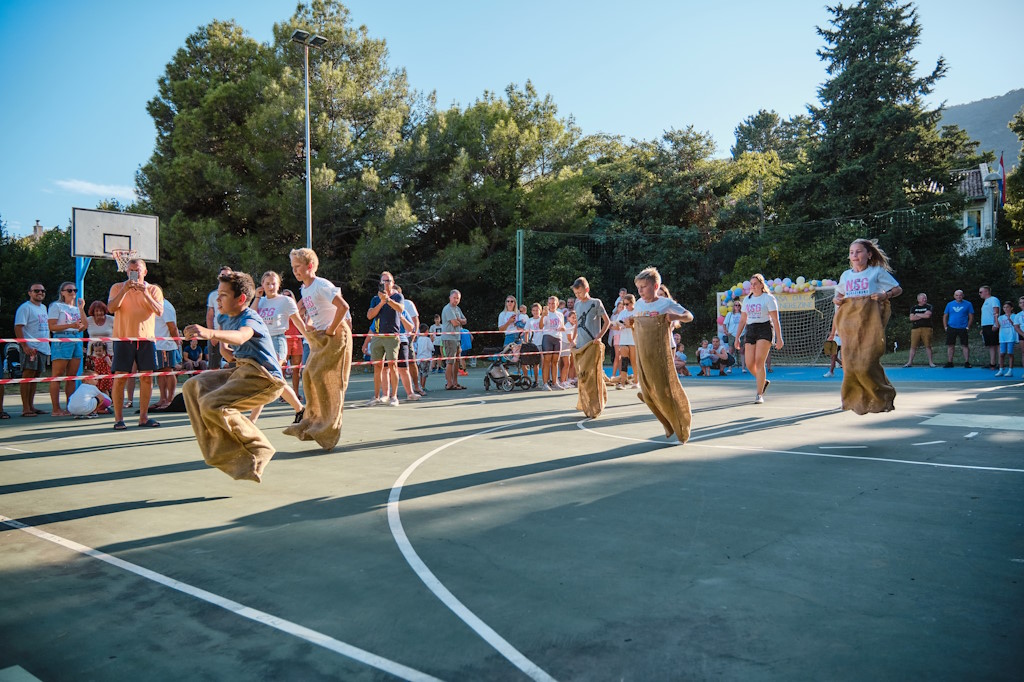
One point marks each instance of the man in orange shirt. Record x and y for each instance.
(136, 304)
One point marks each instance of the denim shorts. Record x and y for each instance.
(65, 350)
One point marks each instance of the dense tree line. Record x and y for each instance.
(437, 195)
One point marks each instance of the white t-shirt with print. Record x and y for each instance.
(758, 307)
(424, 348)
(551, 321)
(33, 317)
(62, 313)
(658, 306)
(535, 325)
(1007, 334)
(872, 280)
(318, 301)
(275, 313)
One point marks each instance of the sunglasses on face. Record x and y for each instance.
(37, 291)
(71, 291)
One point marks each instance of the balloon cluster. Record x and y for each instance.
(777, 286)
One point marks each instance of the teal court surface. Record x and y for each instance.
(502, 536)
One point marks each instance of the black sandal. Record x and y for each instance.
(299, 415)
(4, 415)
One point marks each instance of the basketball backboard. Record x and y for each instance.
(96, 234)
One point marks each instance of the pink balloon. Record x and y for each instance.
(721, 319)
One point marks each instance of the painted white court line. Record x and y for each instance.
(311, 636)
(972, 434)
(842, 447)
(977, 421)
(8, 447)
(478, 626)
(580, 424)
(931, 442)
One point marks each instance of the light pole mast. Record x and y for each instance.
(306, 39)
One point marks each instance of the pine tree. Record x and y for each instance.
(878, 148)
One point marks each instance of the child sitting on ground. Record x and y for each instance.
(88, 401)
(680, 357)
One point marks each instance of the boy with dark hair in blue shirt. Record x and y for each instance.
(215, 400)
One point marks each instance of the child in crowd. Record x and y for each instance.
(276, 311)
(627, 348)
(101, 366)
(88, 401)
(704, 359)
(424, 355)
(833, 349)
(1007, 340)
(294, 341)
(679, 358)
(435, 340)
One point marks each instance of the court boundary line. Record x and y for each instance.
(431, 581)
(262, 617)
(580, 425)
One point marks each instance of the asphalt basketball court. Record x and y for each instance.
(501, 536)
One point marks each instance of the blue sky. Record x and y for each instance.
(75, 76)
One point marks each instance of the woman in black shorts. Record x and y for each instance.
(760, 318)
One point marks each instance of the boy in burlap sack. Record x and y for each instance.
(653, 320)
(592, 323)
(215, 400)
(326, 372)
(862, 311)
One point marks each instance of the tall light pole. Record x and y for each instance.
(307, 39)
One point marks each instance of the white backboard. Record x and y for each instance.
(95, 234)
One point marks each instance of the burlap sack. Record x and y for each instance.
(860, 323)
(593, 393)
(215, 402)
(660, 389)
(325, 380)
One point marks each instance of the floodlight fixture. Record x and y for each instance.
(301, 37)
(317, 41)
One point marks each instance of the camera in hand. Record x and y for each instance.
(133, 275)
(382, 287)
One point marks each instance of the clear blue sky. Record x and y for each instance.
(75, 76)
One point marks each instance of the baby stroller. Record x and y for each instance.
(12, 361)
(506, 370)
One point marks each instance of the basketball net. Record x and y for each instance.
(124, 257)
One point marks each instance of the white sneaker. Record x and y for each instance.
(1000, 372)
(619, 387)
(412, 397)
(828, 375)
(558, 386)
(393, 402)
(743, 370)
(758, 400)
(545, 387)
(373, 401)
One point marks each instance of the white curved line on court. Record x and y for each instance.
(481, 628)
(311, 636)
(580, 424)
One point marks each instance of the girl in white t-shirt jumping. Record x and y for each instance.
(759, 317)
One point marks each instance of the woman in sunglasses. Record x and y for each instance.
(67, 320)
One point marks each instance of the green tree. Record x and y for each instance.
(878, 147)
(1014, 210)
(227, 173)
(760, 132)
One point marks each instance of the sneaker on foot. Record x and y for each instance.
(545, 387)
(968, 365)
(828, 375)
(412, 397)
(393, 402)
(373, 401)
(758, 399)
(999, 373)
(767, 383)
(299, 415)
(948, 365)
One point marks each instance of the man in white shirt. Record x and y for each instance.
(30, 322)
(168, 355)
(990, 307)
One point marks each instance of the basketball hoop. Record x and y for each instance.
(124, 257)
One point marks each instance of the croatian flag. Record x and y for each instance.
(1002, 183)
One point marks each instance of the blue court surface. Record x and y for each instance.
(483, 535)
